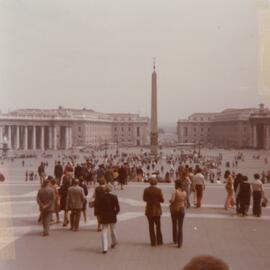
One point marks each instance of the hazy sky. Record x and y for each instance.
(98, 54)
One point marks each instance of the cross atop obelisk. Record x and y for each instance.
(154, 122)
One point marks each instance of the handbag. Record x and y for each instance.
(92, 204)
(264, 202)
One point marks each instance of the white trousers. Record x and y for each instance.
(104, 235)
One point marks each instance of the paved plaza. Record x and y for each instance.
(244, 243)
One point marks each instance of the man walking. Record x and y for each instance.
(108, 206)
(198, 181)
(46, 202)
(75, 201)
(58, 172)
(41, 172)
(153, 197)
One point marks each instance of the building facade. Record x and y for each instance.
(231, 128)
(62, 128)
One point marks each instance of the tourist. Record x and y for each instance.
(41, 172)
(153, 197)
(108, 209)
(66, 183)
(236, 183)
(229, 202)
(46, 202)
(75, 202)
(192, 185)
(69, 171)
(199, 183)
(55, 187)
(206, 263)
(186, 184)
(99, 190)
(244, 193)
(257, 194)
(58, 172)
(177, 209)
(83, 185)
(122, 178)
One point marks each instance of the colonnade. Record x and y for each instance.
(261, 136)
(36, 137)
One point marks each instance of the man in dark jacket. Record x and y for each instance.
(153, 197)
(108, 208)
(244, 193)
(46, 202)
(58, 172)
(122, 176)
(41, 172)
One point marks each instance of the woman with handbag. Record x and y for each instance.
(177, 209)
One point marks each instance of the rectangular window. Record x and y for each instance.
(138, 131)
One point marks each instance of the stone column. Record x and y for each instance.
(42, 138)
(25, 138)
(50, 137)
(66, 138)
(34, 138)
(267, 139)
(9, 136)
(154, 122)
(1, 134)
(55, 138)
(254, 133)
(70, 137)
(18, 137)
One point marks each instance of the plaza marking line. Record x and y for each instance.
(128, 201)
(130, 184)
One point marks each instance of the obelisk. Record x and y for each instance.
(154, 122)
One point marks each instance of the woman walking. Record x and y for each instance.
(177, 208)
(229, 202)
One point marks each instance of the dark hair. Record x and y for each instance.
(256, 176)
(53, 181)
(244, 178)
(227, 173)
(178, 184)
(206, 263)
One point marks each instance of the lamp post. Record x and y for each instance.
(199, 148)
(106, 148)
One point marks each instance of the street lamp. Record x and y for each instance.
(106, 148)
(199, 148)
(116, 141)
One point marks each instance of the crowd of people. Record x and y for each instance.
(67, 192)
